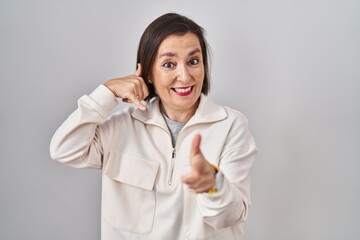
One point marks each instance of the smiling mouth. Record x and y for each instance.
(183, 91)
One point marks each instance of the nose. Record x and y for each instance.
(183, 74)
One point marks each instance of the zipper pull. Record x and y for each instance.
(173, 154)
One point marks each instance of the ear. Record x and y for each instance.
(150, 81)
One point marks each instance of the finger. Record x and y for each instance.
(135, 99)
(188, 179)
(198, 185)
(145, 89)
(185, 180)
(195, 147)
(140, 88)
(136, 90)
(140, 105)
(138, 70)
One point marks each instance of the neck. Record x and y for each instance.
(182, 116)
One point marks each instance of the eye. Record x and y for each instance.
(194, 61)
(168, 65)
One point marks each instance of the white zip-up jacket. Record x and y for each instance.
(142, 193)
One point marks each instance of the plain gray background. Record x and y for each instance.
(292, 67)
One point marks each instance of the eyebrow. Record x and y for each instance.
(171, 54)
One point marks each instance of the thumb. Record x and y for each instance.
(195, 147)
(138, 70)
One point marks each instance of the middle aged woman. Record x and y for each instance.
(177, 167)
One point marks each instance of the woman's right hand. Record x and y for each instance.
(132, 89)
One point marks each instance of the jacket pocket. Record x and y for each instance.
(128, 198)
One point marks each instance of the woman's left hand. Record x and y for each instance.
(201, 178)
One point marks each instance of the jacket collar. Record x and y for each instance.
(207, 112)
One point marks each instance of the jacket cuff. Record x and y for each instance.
(104, 98)
(220, 193)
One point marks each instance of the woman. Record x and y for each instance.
(177, 167)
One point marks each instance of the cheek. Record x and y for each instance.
(199, 75)
(161, 82)
(165, 79)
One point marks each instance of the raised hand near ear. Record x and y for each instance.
(201, 178)
(132, 89)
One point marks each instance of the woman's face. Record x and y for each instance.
(178, 73)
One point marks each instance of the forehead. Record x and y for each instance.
(179, 43)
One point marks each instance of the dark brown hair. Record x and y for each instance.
(156, 32)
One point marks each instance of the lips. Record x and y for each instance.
(183, 91)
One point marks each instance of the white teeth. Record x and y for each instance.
(182, 90)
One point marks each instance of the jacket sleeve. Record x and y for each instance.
(231, 203)
(77, 142)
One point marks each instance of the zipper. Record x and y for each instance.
(172, 163)
(173, 156)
